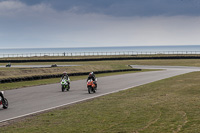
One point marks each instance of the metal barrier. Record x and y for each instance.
(102, 53)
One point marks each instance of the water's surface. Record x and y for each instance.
(101, 49)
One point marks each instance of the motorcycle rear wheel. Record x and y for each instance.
(5, 103)
(94, 90)
(68, 88)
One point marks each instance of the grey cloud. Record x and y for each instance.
(125, 7)
(51, 23)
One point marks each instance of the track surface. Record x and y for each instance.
(30, 100)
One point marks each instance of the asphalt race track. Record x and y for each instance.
(31, 100)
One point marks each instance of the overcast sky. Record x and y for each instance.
(85, 23)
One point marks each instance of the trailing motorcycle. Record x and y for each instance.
(91, 86)
(65, 85)
(4, 102)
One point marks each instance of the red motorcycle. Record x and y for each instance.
(91, 86)
(3, 102)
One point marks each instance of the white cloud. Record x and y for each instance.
(8, 8)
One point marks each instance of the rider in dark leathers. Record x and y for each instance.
(92, 76)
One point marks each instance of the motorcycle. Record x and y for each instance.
(5, 102)
(91, 86)
(65, 85)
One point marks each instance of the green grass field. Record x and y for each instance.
(166, 106)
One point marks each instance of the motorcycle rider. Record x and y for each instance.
(66, 77)
(92, 76)
(2, 97)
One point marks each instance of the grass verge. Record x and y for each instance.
(165, 106)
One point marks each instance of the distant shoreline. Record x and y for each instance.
(100, 49)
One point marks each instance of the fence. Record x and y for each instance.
(103, 53)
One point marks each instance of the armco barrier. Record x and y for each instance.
(102, 59)
(27, 78)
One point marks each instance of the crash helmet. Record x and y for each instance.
(64, 73)
(91, 74)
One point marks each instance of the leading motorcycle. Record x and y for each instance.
(91, 86)
(4, 102)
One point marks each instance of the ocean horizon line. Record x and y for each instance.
(101, 49)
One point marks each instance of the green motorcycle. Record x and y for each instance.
(65, 85)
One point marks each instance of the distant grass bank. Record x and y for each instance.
(166, 106)
(88, 66)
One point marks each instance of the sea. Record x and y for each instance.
(180, 48)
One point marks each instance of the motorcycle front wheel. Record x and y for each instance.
(63, 88)
(89, 89)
